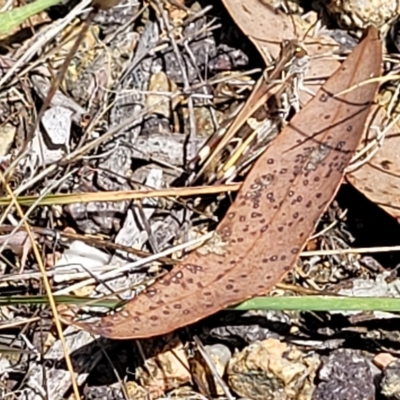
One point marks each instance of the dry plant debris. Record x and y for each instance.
(287, 190)
(167, 95)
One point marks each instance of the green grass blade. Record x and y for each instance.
(9, 20)
(321, 303)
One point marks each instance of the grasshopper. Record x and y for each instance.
(249, 121)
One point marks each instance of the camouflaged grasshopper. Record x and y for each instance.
(258, 120)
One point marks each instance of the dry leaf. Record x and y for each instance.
(266, 227)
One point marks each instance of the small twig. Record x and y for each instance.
(360, 250)
(213, 370)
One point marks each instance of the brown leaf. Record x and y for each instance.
(264, 230)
